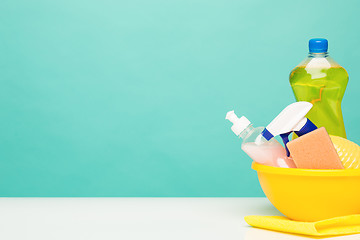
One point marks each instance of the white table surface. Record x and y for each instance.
(137, 218)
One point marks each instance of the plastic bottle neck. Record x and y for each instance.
(318, 55)
(247, 130)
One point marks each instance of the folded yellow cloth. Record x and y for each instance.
(334, 226)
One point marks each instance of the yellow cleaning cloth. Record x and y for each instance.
(334, 226)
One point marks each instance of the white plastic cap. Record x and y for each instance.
(239, 124)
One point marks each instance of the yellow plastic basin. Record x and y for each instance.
(309, 194)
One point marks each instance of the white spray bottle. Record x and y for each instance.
(291, 119)
(267, 152)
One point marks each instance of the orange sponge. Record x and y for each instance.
(314, 150)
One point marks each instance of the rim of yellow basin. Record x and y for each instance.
(305, 172)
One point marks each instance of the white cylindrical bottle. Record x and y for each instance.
(270, 153)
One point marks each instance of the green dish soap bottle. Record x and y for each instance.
(318, 79)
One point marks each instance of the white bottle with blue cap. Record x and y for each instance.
(267, 152)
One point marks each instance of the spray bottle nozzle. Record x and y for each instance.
(291, 119)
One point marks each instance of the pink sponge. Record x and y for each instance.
(314, 150)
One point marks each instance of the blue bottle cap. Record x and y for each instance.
(318, 45)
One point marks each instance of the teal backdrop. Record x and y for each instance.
(128, 98)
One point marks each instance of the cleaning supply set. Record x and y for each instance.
(312, 150)
(311, 179)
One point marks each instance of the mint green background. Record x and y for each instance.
(128, 98)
